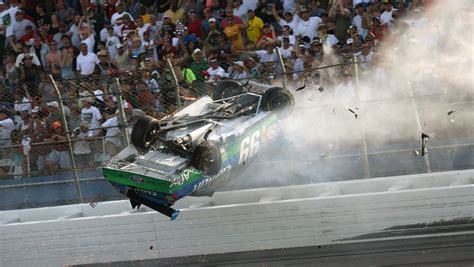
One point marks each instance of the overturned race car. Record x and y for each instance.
(200, 147)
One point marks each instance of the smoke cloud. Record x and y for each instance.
(423, 83)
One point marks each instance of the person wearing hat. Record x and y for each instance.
(216, 72)
(199, 67)
(119, 14)
(238, 72)
(106, 68)
(30, 74)
(328, 39)
(90, 113)
(81, 147)
(26, 49)
(307, 25)
(287, 32)
(211, 32)
(254, 26)
(21, 23)
(58, 158)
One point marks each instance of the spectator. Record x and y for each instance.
(68, 63)
(308, 25)
(175, 13)
(19, 27)
(82, 150)
(229, 16)
(58, 159)
(6, 127)
(40, 49)
(289, 20)
(53, 60)
(30, 75)
(117, 16)
(122, 60)
(216, 72)
(26, 49)
(254, 27)
(90, 113)
(194, 25)
(113, 142)
(86, 61)
(233, 33)
(238, 72)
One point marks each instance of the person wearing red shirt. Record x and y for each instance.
(377, 31)
(194, 25)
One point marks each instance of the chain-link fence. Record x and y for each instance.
(56, 133)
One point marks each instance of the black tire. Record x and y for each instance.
(226, 88)
(143, 133)
(278, 99)
(207, 158)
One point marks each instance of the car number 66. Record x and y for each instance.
(249, 146)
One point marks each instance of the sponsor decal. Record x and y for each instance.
(137, 179)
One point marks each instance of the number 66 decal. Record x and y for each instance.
(249, 146)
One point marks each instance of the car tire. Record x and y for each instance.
(278, 99)
(225, 89)
(207, 158)
(143, 133)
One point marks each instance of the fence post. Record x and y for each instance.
(282, 63)
(68, 138)
(365, 158)
(176, 82)
(122, 113)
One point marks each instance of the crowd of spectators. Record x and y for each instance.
(84, 44)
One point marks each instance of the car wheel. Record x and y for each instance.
(225, 89)
(278, 99)
(207, 158)
(143, 133)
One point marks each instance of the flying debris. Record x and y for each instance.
(321, 89)
(424, 140)
(334, 111)
(301, 87)
(353, 112)
(451, 112)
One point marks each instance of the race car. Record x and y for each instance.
(200, 147)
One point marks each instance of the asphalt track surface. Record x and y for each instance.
(433, 251)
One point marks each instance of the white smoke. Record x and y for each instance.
(423, 72)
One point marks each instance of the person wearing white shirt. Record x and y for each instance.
(386, 18)
(86, 61)
(308, 25)
(286, 49)
(26, 51)
(111, 41)
(141, 27)
(120, 12)
(113, 141)
(268, 55)
(358, 20)
(90, 113)
(215, 72)
(7, 18)
(82, 149)
(240, 9)
(6, 127)
(289, 20)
